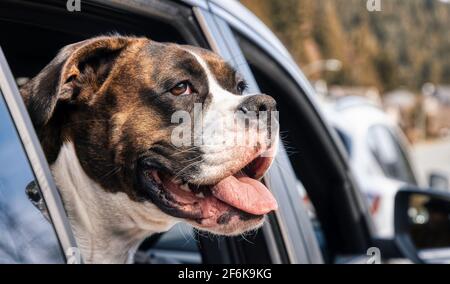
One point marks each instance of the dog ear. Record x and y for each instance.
(63, 78)
(78, 69)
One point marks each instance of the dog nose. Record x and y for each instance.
(257, 103)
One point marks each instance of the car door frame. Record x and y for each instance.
(38, 163)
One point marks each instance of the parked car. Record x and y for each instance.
(378, 154)
(32, 33)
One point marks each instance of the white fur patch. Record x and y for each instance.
(107, 226)
(222, 109)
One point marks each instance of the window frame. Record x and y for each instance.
(38, 163)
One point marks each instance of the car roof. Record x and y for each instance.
(247, 18)
(352, 114)
(242, 19)
(348, 102)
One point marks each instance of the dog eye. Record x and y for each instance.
(183, 88)
(242, 87)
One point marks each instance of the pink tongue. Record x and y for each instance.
(246, 194)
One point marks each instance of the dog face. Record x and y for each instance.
(115, 98)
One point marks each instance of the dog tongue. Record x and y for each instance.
(246, 194)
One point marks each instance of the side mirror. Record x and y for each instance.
(439, 181)
(422, 225)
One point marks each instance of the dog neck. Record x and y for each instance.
(108, 227)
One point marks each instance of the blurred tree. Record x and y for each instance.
(387, 70)
(406, 44)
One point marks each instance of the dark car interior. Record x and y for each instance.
(30, 38)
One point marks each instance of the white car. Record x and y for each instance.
(378, 154)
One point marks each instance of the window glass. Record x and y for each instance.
(389, 154)
(26, 235)
(312, 214)
(346, 140)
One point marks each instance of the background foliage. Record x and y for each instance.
(404, 45)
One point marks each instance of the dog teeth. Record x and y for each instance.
(177, 181)
(200, 195)
(156, 177)
(185, 187)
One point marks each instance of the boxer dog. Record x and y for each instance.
(103, 110)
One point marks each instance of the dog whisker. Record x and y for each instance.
(111, 173)
(189, 150)
(247, 240)
(187, 167)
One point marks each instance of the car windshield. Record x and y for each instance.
(389, 154)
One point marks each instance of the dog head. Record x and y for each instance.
(149, 119)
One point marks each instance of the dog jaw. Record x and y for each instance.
(108, 226)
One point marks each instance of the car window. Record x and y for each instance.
(346, 140)
(26, 235)
(389, 154)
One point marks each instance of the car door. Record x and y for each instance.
(33, 224)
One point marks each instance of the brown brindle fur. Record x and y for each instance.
(108, 97)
